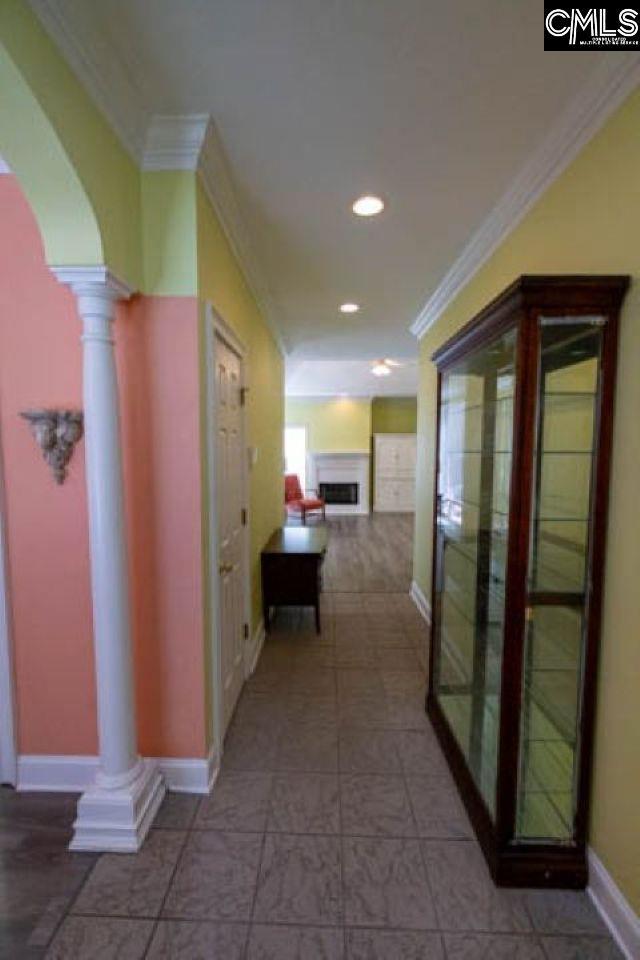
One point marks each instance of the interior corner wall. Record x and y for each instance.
(587, 222)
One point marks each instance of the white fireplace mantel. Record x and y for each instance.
(343, 466)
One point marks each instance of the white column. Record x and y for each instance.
(116, 812)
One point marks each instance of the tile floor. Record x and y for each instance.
(334, 831)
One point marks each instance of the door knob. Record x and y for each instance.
(225, 568)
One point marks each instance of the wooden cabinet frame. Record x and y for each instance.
(513, 862)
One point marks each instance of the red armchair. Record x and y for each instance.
(296, 504)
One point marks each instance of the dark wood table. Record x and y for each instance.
(292, 570)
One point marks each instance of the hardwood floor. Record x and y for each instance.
(369, 554)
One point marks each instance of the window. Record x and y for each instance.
(295, 452)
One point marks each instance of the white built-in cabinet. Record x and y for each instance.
(394, 472)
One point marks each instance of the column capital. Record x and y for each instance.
(97, 281)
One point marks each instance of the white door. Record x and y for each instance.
(229, 487)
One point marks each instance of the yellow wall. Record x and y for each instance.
(588, 221)
(169, 233)
(339, 423)
(221, 282)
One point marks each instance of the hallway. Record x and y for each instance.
(333, 832)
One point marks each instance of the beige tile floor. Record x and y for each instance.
(334, 831)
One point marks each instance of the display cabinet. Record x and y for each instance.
(525, 407)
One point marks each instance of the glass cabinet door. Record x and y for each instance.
(475, 453)
(557, 584)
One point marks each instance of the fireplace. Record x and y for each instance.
(343, 493)
(342, 478)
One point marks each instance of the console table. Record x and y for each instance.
(292, 570)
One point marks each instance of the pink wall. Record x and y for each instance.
(40, 365)
(157, 356)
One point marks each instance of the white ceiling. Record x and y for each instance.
(353, 378)
(434, 105)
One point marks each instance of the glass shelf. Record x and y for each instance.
(515, 582)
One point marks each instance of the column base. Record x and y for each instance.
(117, 820)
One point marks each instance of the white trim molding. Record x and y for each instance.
(253, 649)
(99, 67)
(175, 142)
(599, 97)
(217, 180)
(418, 596)
(74, 276)
(190, 774)
(74, 774)
(614, 909)
(8, 759)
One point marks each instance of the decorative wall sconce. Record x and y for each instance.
(56, 432)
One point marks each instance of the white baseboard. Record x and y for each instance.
(614, 909)
(75, 774)
(253, 649)
(421, 602)
(189, 775)
(66, 774)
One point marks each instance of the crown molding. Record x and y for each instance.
(175, 142)
(192, 142)
(101, 72)
(188, 142)
(610, 84)
(217, 180)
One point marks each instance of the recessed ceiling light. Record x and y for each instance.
(380, 369)
(349, 307)
(368, 206)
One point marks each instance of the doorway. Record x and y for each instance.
(228, 524)
(295, 453)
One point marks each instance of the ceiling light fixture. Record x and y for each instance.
(349, 307)
(380, 369)
(368, 206)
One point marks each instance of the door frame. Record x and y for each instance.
(215, 326)
(8, 728)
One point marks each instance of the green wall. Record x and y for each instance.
(394, 414)
(588, 221)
